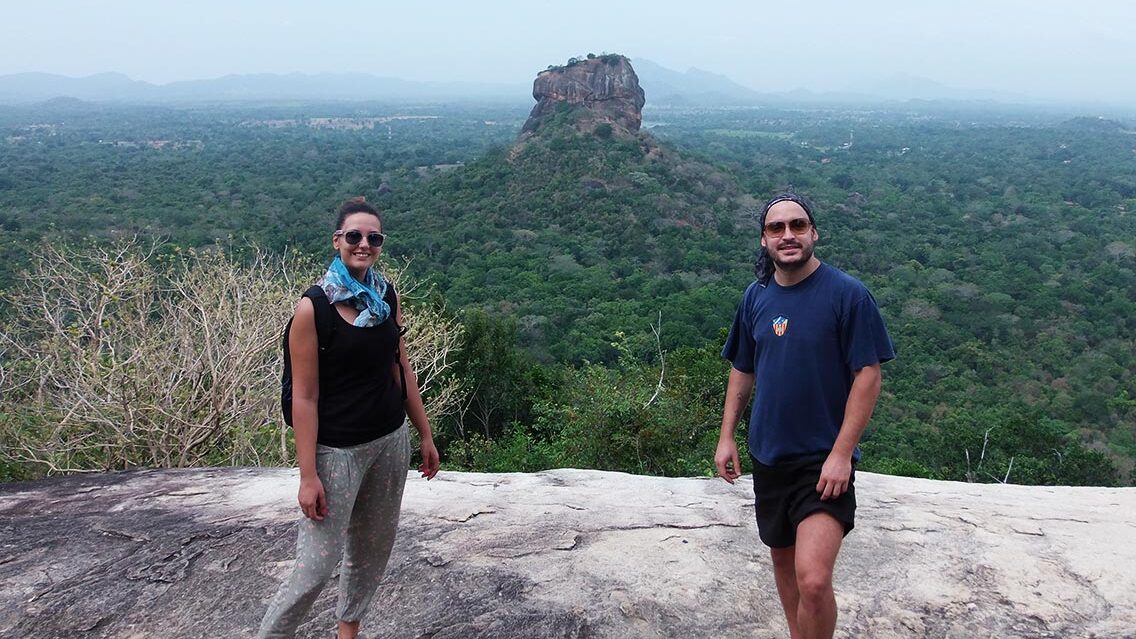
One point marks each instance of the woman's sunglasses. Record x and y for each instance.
(354, 237)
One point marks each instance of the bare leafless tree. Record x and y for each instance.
(130, 356)
(432, 338)
(658, 331)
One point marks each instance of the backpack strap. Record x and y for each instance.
(325, 322)
(393, 302)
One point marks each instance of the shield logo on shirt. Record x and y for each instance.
(780, 324)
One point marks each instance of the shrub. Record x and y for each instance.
(126, 356)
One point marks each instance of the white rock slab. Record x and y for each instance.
(565, 553)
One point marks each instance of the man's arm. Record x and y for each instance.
(862, 398)
(738, 390)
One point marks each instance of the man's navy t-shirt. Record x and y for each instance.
(803, 344)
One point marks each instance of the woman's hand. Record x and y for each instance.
(430, 460)
(312, 499)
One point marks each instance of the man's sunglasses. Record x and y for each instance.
(354, 237)
(797, 226)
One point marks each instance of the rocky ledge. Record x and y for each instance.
(566, 554)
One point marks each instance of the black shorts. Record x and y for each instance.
(785, 494)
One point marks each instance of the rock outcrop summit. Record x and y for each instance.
(564, 554)
(596, 89)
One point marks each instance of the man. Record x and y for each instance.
(812, 338)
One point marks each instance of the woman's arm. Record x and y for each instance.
(303, 346)
(415, 410)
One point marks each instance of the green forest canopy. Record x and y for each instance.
(1000, 247)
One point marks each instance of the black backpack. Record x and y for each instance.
(325, 333)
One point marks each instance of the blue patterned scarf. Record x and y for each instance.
(366, 296)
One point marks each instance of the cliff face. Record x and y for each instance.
(564, 554)
(605, 88)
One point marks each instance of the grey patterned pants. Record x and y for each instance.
(364, 486)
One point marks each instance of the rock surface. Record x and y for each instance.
(567, 554)
(604, 88)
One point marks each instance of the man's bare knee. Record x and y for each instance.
(814, 583)
(783, 557)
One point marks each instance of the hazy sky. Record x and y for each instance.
(1051, 49)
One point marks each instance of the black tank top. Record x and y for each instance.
(360, 398)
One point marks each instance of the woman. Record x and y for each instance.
(349, 408)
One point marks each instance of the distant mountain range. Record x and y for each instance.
(703, 88)
(695, 87)
(116, 87)
(663, 86)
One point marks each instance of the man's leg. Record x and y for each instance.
(785, 574)
(818, 541)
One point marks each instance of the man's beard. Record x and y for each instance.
(799, 262)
